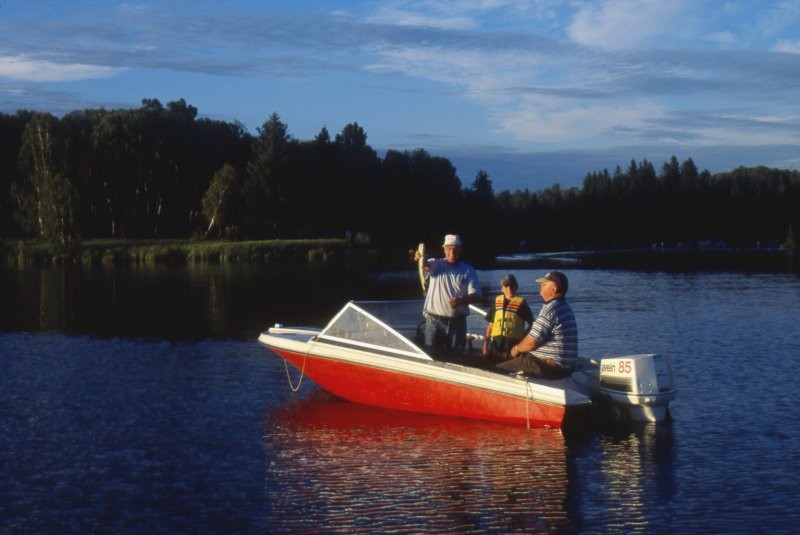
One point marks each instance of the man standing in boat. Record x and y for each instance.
(550, 350)
(452, 286)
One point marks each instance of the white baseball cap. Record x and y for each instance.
(452, 239)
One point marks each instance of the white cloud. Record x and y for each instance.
(392, 15)
(564, 95)
(723, 39)
(465, 14)
(777, 17)
(547, 120)
(32, 70)
(619, 24)
(792, 47)
(485, 76)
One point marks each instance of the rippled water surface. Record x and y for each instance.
(141, 402)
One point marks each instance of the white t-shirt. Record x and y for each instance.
(448, 281)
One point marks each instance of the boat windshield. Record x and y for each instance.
(388, 326)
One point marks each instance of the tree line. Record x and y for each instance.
(159, 171)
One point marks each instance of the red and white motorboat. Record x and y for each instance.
(368, 353)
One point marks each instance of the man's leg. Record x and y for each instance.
(458, 335)
(430, 333)
(524, 363)
(532, 366)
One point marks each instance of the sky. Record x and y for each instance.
(534, 93)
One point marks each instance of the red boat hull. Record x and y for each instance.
(385, 388)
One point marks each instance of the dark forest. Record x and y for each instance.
(159, 171)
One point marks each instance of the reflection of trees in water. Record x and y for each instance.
(195, 300)
(347, 467)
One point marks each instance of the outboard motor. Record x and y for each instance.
(638, 375)
(635, 387)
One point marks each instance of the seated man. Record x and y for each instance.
(550, 350)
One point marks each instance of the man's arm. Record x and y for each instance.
(526, 345)
(456, 302)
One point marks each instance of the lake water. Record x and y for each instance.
(138, 400)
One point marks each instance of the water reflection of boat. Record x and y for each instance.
(368, 353)
(632, 466)
(344, 468)
(348, 467)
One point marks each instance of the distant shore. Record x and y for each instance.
(667, 259)
(332, 252)
(316, 251)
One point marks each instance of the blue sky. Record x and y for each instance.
(533, 92)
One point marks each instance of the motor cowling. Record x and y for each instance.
(640, 375)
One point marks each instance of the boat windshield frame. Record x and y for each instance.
(365, 325)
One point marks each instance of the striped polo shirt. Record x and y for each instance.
(557, 332)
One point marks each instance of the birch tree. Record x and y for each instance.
(52, 196)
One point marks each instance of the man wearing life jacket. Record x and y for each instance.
(509, 319)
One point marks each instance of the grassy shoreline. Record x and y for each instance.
(331, 252)
(105, 251)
